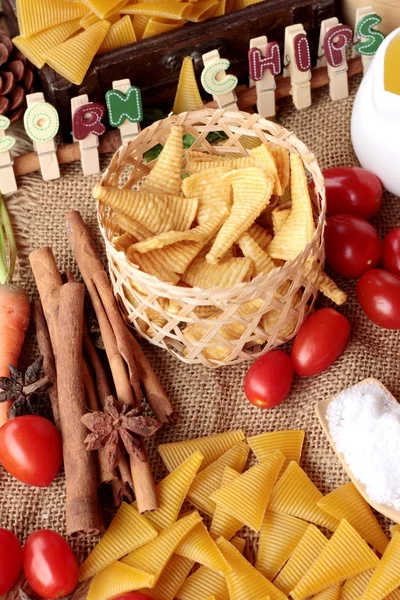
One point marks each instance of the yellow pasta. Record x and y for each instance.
(279, 536)
(244, 581)
(255, 483)
(265, 160)
(37, 16)
(387, 575)
(171, 579)
(308, 549)
(187, 94)
(394, 529)
(171, 492)
(296, 495)
(290, 442)
(88, 20)
(202, 583)
(154, 556)
(212, 448)
(139, 25)
(347, 503)
(118, 579)
(128, 530)
(62, 58)
(202, 10)
(102, 8)
(209, 480)
(165, 177)
(164, 8)
(345, 555)
(36, 46)
(221, 8)
(223, 524)
(199, 546)
(332, 593)
(120, 33)
(354, 587)
(155, 26)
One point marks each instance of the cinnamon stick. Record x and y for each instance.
(46, 350)
(82, 511)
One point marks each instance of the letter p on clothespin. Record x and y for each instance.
(333, 41)
(297, 63)
(216, 82)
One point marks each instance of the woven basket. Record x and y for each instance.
(237, 332)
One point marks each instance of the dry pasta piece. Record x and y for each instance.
(165, 176)
(171, 579)
(199, 546)
(164, 8)
(289, 442)
(212, 192)
(394, 528)
(153, 266)
(263, 263)
(279, 217)
(36, 46)
(282, 161)
(211, 447)
(308, 549)
(209, 480)
(354, 587)
(34, 17)
(256, 483)
(279, 536)
(265, 160)
(223, 524)
(202, 10)
(102, 8)
(171, 492)
(118, 579)
(386, 578)
(332, 593)
(347, 503)
(155, 26)
(260, 235)
(154, 556)
(120, 34)
(62, 58)
(193, 165)
(88, 20)
(178, 256)
(224, 274)
(296, 495)
(138, 231)
(128, 530)
(139, 25)
(244, 581)
(345, 555)
(187, 94)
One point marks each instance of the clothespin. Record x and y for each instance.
(86, 128)
(366, 39)
(128, 129)
(297, 65)
(216, 82)
(333, 41)
(41, 123)
(8, 184)
(264, 64)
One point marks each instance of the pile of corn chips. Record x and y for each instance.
(213, 221)
(169, 554)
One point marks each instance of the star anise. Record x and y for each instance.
(118, 425)
(23, 388)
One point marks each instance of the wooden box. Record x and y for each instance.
(153, 64)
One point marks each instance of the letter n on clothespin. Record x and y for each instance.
(8, 184)
(217, 82)
(333, 41)
(366, 38)
(86, 128)
(41, 123)
(125, 110)
(264, 65)
(297, 61)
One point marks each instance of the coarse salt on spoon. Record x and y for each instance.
(321, 409)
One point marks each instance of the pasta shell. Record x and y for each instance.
(223, 524)
(171, 579)
(165, 176)
(34, 17)
(290, 443)
(118, 579)
(187, 94)
(354, 587)
(387, 575)
(332, 593)
(120, 34)
(199, 546)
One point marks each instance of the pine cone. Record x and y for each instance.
(16, 79)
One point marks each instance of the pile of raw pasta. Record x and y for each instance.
(171, 554)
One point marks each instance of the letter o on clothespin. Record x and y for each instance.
(41, 122)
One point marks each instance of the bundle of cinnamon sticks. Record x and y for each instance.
(80, 381)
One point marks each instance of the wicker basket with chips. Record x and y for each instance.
(188, 236)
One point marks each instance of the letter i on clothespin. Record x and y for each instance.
(125, 110)
(366, 39)
(217, 82)
(86, 129)
(333, 41)
(264, 65)
(41, 123)
(297, 65)
(8, 184)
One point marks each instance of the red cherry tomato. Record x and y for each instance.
(31, 449)
(352, 190)
(352, 245)
(391, 251)
(319, 342)
(10, 560)
(50, 565)
(269, 379)
(379, 295)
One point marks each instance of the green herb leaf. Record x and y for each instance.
(153, 153)
(188, 140)
(8, 248)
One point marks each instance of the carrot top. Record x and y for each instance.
(8, 249)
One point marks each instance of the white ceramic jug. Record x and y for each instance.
(375, 121)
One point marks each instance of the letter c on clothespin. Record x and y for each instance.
(215, 86)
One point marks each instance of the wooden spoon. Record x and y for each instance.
(321, 410)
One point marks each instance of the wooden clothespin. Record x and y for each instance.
(325, 25)
(86, 128)
(8, 184)
(333, 41)
(366, 39)
(216, 82)
(264, 65)
(41, 124)
(297, 65)
(125, 111)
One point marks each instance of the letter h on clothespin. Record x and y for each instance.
(264, 64)
(333, 41)
(217, 82)
(297, 65)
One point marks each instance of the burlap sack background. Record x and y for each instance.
(210, 401)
